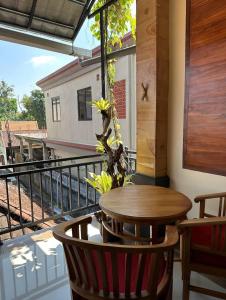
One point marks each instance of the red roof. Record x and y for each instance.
(18, 125)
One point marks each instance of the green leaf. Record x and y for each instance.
(102, 183)
(127, 180)
(101, 104)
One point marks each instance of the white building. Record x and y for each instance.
(71, 121)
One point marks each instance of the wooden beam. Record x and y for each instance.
(19, 37)
(152, 86)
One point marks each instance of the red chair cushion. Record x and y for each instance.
(202, 236)
(121, 261)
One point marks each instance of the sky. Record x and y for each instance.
(22, 66)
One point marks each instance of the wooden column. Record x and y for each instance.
(21, 146)
(152, 86)
(30, 150)
(44, 151)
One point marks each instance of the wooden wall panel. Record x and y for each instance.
(152, 57)
(205, 104)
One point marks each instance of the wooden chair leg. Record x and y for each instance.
(76, 296)
(170, 293)
(186, 283)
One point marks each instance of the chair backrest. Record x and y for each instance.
(219, 198)
(205, 236)
(213, 235)
(105, 271)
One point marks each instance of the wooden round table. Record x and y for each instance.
(145, 204)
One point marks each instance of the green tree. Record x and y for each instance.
(8, 103)
(34, 107)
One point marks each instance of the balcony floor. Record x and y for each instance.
(33, 267)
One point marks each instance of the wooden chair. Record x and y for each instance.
(204, 245)
(130, 232)
(113, 271)
(112, 228)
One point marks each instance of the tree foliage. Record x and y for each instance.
(120, 21)
(34, 107)
(8, 103)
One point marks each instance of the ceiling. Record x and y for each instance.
(58, 20)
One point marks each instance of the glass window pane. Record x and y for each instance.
(84, 104)
(56, 109)
(88, 104)
(54, 112)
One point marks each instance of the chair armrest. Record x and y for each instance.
(202, 222)
(60, 229)
(209, 196)
(171, 236)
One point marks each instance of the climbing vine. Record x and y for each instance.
(118, 20)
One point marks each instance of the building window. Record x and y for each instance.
(56, 109)
(84, 104)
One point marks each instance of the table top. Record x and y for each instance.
(145, 203)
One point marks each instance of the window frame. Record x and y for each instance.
(78, 104)
(55, 104)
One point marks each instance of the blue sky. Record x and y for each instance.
(22, 66)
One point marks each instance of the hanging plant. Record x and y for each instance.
(118, 20)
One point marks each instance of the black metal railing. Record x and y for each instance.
(34, 194)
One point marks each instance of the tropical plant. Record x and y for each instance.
(102, 183)
(110, 141)
(101, 104)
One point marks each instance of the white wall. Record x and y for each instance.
(83, 132)
(69, 129)
(191, 183)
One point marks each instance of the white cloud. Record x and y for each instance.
(41, 60)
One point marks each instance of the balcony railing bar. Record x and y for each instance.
(51, 188)
(25, 164)
(39, 162)
(31, 197)
(41, 194)
(15, 174)
(70, 190)
(78, 178)
(61, 192)
(86, 186)
(8, 207)
(95, 192)
(19, 196)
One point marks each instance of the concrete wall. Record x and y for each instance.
(69, 129)
(191, 183)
